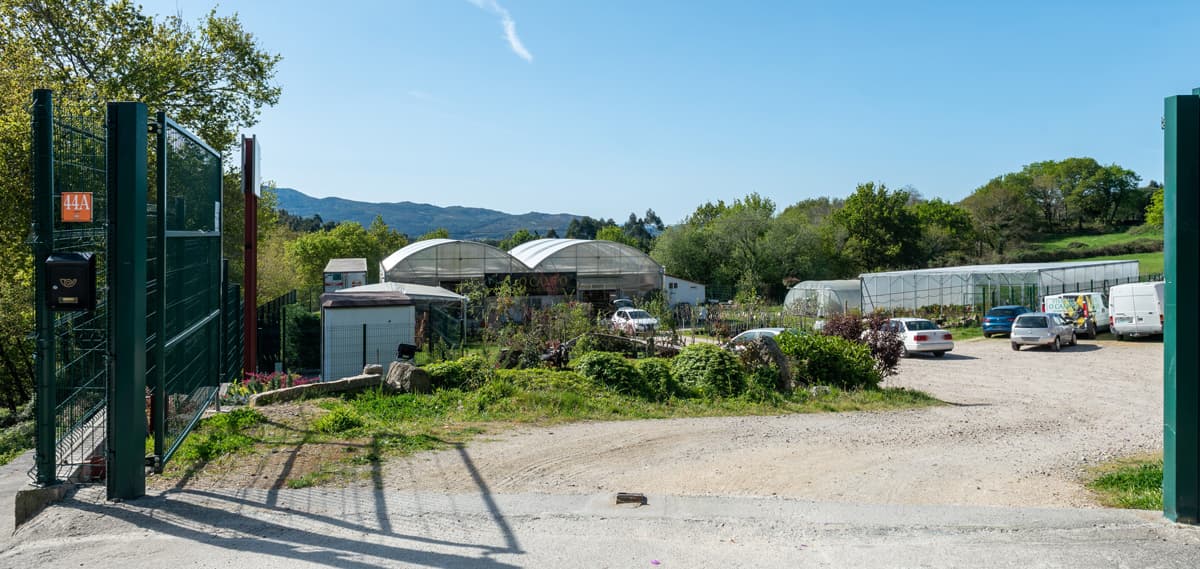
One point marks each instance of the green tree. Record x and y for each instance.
(883, 232)
(1154, 211)
(616, 235)
(439, 233)
(586, 227)
(1004, 215)
(212, 78)
(517, 238)
(947, 231)
(309, 253)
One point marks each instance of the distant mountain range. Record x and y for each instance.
(415, 219)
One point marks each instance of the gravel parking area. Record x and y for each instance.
(1019, 430)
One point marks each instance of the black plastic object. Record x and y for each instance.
(71, 281)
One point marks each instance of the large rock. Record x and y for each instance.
(404, 377)
(373, 369)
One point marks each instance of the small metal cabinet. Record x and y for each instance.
(71, 281)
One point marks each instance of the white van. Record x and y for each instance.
(1087, 310)
(1136, 309)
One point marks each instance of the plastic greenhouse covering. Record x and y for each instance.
(980, 287)
(822, 298)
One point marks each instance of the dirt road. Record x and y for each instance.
(1019, 429)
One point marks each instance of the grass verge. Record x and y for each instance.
(337, 440)
(1148, 263)
(1134, 482)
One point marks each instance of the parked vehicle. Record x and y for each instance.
(752, 335)
(1088, 311)
(633, 320)
(1042, 329)
(922, 335)
(1136, 309)
(999, 319)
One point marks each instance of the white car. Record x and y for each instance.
(633, 320)
(922, 335)
(1042, 329)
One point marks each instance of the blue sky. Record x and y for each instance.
(606, 108)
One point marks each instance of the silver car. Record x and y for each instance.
(1042, 329)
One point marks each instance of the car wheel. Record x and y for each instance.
(1016, 347)
(1091, 334)
(939, 354)
(1075, 341)
(1057, 345)
(987, 334)
(904, 351)
(1120, 337)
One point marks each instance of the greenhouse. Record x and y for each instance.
(822, 298)
(977, 288)
(447, 262)
(600, 269)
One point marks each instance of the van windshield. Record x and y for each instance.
(1031, 322)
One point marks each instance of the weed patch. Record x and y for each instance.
(1134, 483)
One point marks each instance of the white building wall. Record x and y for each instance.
(682, 291)
(342, 337)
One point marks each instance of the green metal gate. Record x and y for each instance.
(166, 323)
(189, 244)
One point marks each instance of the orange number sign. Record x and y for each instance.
(77, 207)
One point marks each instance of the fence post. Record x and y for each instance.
(127, 170)
(159, 403)
(1181, 361)
(364, 345)
(43, 220)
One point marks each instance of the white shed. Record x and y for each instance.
(680, 291)
(363, 328)
(345, 273)
(823, 298)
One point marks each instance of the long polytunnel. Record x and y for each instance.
(983, 286)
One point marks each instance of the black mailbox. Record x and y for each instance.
(71, 281)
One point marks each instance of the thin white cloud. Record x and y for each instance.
(422, 95)
(510, 27)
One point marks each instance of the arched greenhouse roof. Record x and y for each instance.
(584, 257)
(434, 260)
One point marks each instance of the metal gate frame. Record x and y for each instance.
(129, 347)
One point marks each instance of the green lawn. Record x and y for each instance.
(1063, 241)
(1148, 263)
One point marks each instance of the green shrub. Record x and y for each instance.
(613, 371)
(656, 376)
(708, 370)
(492, 392)
(830, 360)
(339, 420)
(468, 372)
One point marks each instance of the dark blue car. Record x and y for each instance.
(999, 320)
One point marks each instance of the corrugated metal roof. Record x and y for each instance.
(346, 266)
(1009, 268)
(415, 291)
